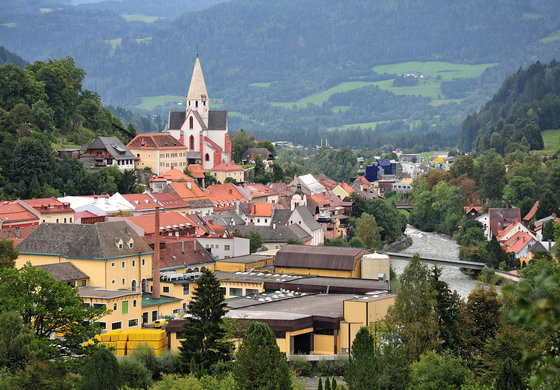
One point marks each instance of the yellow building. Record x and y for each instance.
(224, 170)
(49, 210)
(160, 152)
(110, 253)
(244, 263)
(340, 262)
(125, 307)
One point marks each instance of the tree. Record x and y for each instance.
(203, 334)
(548, 230)
(8, 254)
(134, 374)
(434, 372)
(239, 145)
(494, 253)
(16, 348)
(127, 182)
(255, 241)
(101, 371)
(413, 318)
(447, 308)
(509, 377)
(48, 306)
(367, 231)
(259, 364)
(362, 371)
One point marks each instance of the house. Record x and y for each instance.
(198, 173)
(531, 214)
(225, 246)
(158, 183)
(191, 193)
(110, 151)
(473, 211)
(261, 193)
(171, 202)
(307, 184)
(170, 224)
(203, 131)
(327, 261)
(258, 214)
(224, 170)
(50, 210)
(158, 152)
(224, 196)
(142, 203)
(511, 230)
(343, 190)
(67, 273)
(110, 253)
(520, 248)
(499, 219)
(275, 237)
(17, 221)
(250, 154)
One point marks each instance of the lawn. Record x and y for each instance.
(446, 70)
(141, 18)
(321, 97)
(555, 36)
(151, 102)
(551, 140)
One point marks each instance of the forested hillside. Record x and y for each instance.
(7, 57)
(527, 103)
(286, 69)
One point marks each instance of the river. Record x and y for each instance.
(438, 246)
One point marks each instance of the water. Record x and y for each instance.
(437, 246)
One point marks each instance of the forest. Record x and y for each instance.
(527, 103)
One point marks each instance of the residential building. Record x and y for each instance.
(224, 247)
(203, 131)
(224, 196)
(191, 193)
(267, 157)
(224, 170)
(110, 151)
(50, 210)
(174, 175)
(17, 221)
(260, 193)
(499, 219)
(159, 152)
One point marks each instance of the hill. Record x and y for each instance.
(7, 57)
(527, 103)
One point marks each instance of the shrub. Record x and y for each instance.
(146, 355)
(301, 365)
(169, 363)
(134, 374)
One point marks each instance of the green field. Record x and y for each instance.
(238, 115)
(151, 102)
(446, 70)
(439, 102)
(141, 18)
(372, 125)
(9, 25)
(530, 15)
(340, 108)
(551, 140)
(427, 88)
(143, 40)
(262, 85)
(555, 36)
(321, 97)
(114, 44)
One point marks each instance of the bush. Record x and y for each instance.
(170, 363)
(325, 367)
(301, 365)
(146, 355)
(134, 374)
(339, 365)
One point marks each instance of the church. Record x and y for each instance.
(203, 131)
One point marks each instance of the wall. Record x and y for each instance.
(134, 312)
(161, 160)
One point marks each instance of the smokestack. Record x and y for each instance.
(155, 261)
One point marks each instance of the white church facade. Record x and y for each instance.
(203, 131)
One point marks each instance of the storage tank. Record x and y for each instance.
(376, 266)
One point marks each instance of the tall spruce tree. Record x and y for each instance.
(509, 377)
(447, 308)
(362, 372)
(259, 364)
(204, 344)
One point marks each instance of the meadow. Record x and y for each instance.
(551, 140)
(141, 18)
(151, 102)
(446, 70)
(555, 36)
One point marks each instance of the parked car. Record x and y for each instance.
(160, 323)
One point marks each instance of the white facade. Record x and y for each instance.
(223, 248)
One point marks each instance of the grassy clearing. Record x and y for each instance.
(321, 97)
(238, 115)
(141, 18)
(114, 43)
(151, 102)
(439, 102)
(532, 16)
(262, 85)
(9, 25)
(427, 88)
(555, 36)
(340, 108)
(551, 140)
(143, 40)
(446, 70)
(372, 125)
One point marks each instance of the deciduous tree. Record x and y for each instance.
(362, 372)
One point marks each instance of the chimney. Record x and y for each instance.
(155, 261)
(189, 185)
(252, 156)
(274, 226)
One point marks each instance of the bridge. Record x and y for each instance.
(403, 206)
(453, 263)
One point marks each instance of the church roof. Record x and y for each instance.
(176, 119)
(217, 120)
(197, 89)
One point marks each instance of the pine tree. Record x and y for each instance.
(101, 371)
(203, 334)
(363, 364)
(509, 376)
(320, 384)
(259, 364)
(447, 308)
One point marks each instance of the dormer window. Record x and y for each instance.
(131, 243)
(119, 244)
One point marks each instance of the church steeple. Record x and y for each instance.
(197, 97)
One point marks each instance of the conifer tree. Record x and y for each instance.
(447, 308)
(509, 376)
(363, 364)
(101, 371)
(320, 384)
(203, 334)
(259, 364)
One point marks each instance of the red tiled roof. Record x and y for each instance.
(13, 212)
(84, 214)
(186, 193)
(532, 212)
(155, 141)
(468, 209)
(520, 244)
(141, 201)
(261, 210)
(259, 190)
(346, 187)
(180, 251)
(172, 175)
(226, 167)
(512, 240)
(170, 200)
(48, 205)
(168, 220)
(225, 195)
(503, 232)
(197, 171)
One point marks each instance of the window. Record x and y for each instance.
(223, 289)
(86, 305)
(124, 307)
(196, 104)
(120, 245)
(145, 317)
(206, 158)
(116, 325)
(131, 244)
(186, 289)
(133, 322)
(226, 247)
(64, 220)
(154, 315)
(123, 281)
(115, 306)
(57, 220)
(176, 312)
(235, 291)
(102, 325)
(113, 281)
(122, 264)
(191, 124)
(251, 291)
(191, 141)
(143, 261)
(134, 263)
(112, 264)
(134, 303)
(166, 289)
(99, 306)
(70, 219)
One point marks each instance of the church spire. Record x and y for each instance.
(197, 89)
